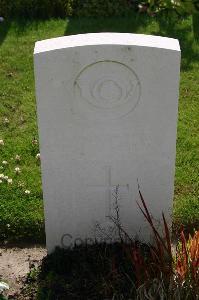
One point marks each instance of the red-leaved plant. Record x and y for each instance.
(179, 272)
(187, 259)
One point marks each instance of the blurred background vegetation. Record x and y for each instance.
(104, 8)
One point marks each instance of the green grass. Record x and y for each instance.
(21, 215)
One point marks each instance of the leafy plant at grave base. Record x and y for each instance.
(121, 270)
(161, 273)
(187, 261)
(160, 253)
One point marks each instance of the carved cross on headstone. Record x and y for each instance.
(110, 189)
(97, 95)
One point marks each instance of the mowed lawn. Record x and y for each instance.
(21, 205)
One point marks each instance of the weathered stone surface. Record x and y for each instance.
(107, 112)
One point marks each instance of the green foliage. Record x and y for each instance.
(170, 7)
(159, 5)
(186, 6)
(181, 6)
(100, 7)
(62, 8)
(33, 8)
(195, 22)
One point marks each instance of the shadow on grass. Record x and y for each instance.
(19, 26)
(130, 23)
(4, 28)
(181, 29)
(169, 25)
(164, 25)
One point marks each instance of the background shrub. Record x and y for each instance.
(62, 8)
(34, 8)
(103, 8)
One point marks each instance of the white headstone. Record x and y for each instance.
(107, 112)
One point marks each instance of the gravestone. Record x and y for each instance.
(107, 112)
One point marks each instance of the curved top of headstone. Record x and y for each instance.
(107, 38)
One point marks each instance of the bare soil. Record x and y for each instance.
(15, 264)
